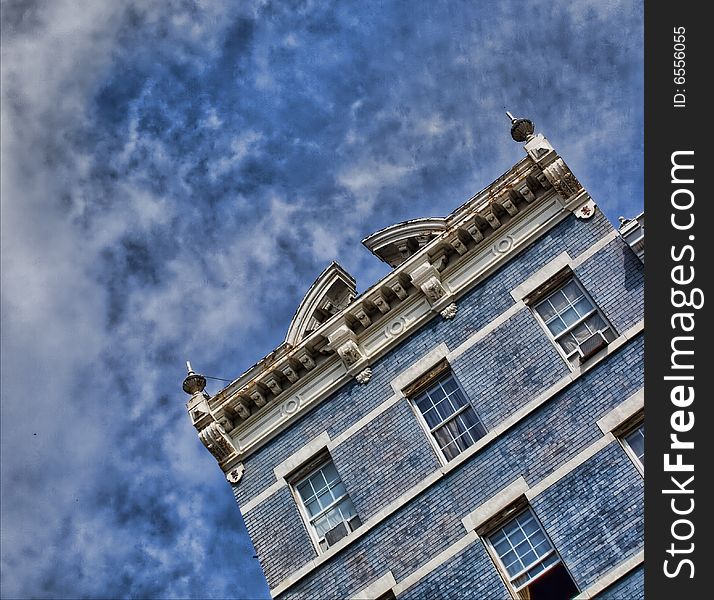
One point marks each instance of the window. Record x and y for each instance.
(574, 322)
(326, 505)
(529, 561)
(634, 443)
(450, 419)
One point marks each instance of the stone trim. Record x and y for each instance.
(526, 288)
(321, 442)
(476, 519)
(622, 413)
(274, 488)
(494, 433)
(375, 589)
(435, 476)
(612, 576)
(418, 368)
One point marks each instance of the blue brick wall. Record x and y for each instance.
(500, 374)
(508, 368)
(384, 460)
(469, 574)
(432, 522)
(629, 587)
(279, 536)
(595, 515)
(614, 277)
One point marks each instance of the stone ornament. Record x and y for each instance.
(306, 360)
(257, 397)
(450, 311)
(433, 289)
(364, 376)
(215, 440)
(289, 373)
(398, 290)
(562, 178)
(586, 211)
(349, 353)
(273, 385)
(234, 475)
(380, 302)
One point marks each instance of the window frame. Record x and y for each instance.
(302, 475)
(545, 292)
(496, 527)
(428, 430)
(632, 427)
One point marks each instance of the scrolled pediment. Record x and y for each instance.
(332, 291)
(396, 243)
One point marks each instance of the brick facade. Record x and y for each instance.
(593, 514)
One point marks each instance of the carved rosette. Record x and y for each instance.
(214, 438)
(363, 377)
(450, 311)
(586, 211)
(562, 178)
(234, 475)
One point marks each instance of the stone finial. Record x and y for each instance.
(521, 129)
(194, 383)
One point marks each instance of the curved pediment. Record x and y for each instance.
(396, 243)
(333, 289)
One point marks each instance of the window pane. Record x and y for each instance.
(516, 536)
(457, 399)
(338, 490)
(522, 544)
(556, 326)
(636, 441)
(449, 385)
(319, 494)
(583, 306)
(347, 509)
(545, 310)
(570, 316)
(581, 332)
(432, 418)
(305, 491)
(568, 343)
(436, 394)
(572, 291)
(445, 409)
(313, 508)
(452, 432)
(596, 322)
(330, 473)
(559, 302)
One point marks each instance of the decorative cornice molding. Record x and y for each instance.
(466, 246)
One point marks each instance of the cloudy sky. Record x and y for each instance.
(174, 176)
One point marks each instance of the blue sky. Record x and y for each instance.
(174, 176)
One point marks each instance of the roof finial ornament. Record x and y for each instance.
(521, 129)
(193, 383)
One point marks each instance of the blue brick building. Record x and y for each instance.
(471, 426)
